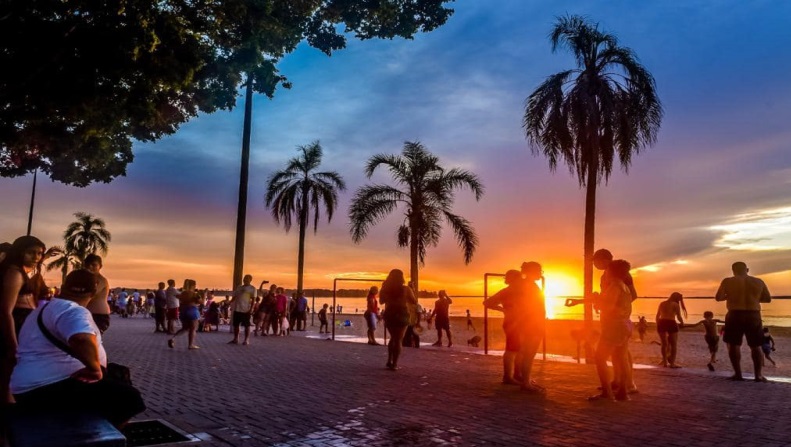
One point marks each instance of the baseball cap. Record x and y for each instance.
(80, 282)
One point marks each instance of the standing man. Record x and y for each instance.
(172, 302)
(302, 312)
(242, 308)
(442, 314)
(160, 308)
(98, 306)
(743, 295)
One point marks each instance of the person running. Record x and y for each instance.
(710, 335)
(98, 306)
(469, 322)
(371, 314)
(172, 302)
(242, 307)
(666, 326)
(397, 299)
(441, 314)
(189, 300)
(768, 346)
(743, 295)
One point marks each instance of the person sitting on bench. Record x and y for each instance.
(61, 361)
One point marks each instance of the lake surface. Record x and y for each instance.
(776, 313)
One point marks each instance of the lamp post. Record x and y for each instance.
(32, 202)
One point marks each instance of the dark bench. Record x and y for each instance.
(61, 430)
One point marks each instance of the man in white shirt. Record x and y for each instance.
(172, 298)
(242, 308)
(61, 361)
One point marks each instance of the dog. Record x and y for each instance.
(474, 341)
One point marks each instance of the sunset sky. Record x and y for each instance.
(716, 188)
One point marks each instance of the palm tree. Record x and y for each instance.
(297, 190)
(63, 261)
(426, 192)
(587, 115)
(86, 235)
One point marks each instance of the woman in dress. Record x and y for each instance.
(189, 299)
(397, 299)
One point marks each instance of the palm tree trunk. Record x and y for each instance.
(241, 212)
(303, 226)
(590, 222)
(413, 257)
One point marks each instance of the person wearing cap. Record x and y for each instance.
(66, 372)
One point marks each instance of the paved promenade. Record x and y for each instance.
(297, 391)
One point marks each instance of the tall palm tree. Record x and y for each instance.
(86, 235)
(606, 106)
(426, 193)
(63, 261)
(299, 189)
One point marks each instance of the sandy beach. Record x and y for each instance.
(692, 349)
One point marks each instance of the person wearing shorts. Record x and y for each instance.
(666, 326)
(242, 305)
(372, 314)
(442, 314)
(506, 301)
(743, 295)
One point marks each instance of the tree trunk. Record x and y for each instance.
(303, 226)
(241, 212)
(590, 223)
(413, 256)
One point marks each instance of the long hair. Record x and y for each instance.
(391, 287)
(16, 254)
(679, 298)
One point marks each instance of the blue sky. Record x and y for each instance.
(713, 190)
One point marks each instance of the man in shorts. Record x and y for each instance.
(242, 308)
(743, 295)
(98, 306)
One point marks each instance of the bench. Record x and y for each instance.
(62, 430)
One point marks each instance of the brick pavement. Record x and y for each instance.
(295, 391)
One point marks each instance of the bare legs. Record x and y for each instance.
(190, 327)
(619, 363)
(529, 348)
(509, 361)
(394, 345)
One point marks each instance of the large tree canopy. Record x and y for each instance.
(81, 80)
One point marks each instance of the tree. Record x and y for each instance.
(261, 33)
(85, 236)
(81, 80)
(426, 192)
(606, 106)
(63, 261)
(299, 189)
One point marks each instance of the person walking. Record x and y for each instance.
(397, 299)
(189, 299)
(371, 314)
(743, 295)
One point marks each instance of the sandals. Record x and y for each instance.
(171, 343)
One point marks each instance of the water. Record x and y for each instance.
(776, 313)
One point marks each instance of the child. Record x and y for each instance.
(469, 322)
(642, 327)
(323, 327)
(768, 346)
(712, 339)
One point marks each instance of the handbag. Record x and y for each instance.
(114, 372)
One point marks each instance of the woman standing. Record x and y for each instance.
(397, 298)
(667, 328)
(21, 285)
(371, 314)
(189, 314)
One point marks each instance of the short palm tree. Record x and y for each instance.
(85, 236)
(426, 191)
(62, 261)
(605, 107)
(297, 190)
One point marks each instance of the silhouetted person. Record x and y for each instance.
(397, 298)
(666, 326)
(743, 295)
(441, 314)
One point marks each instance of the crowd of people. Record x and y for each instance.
(59, 352)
